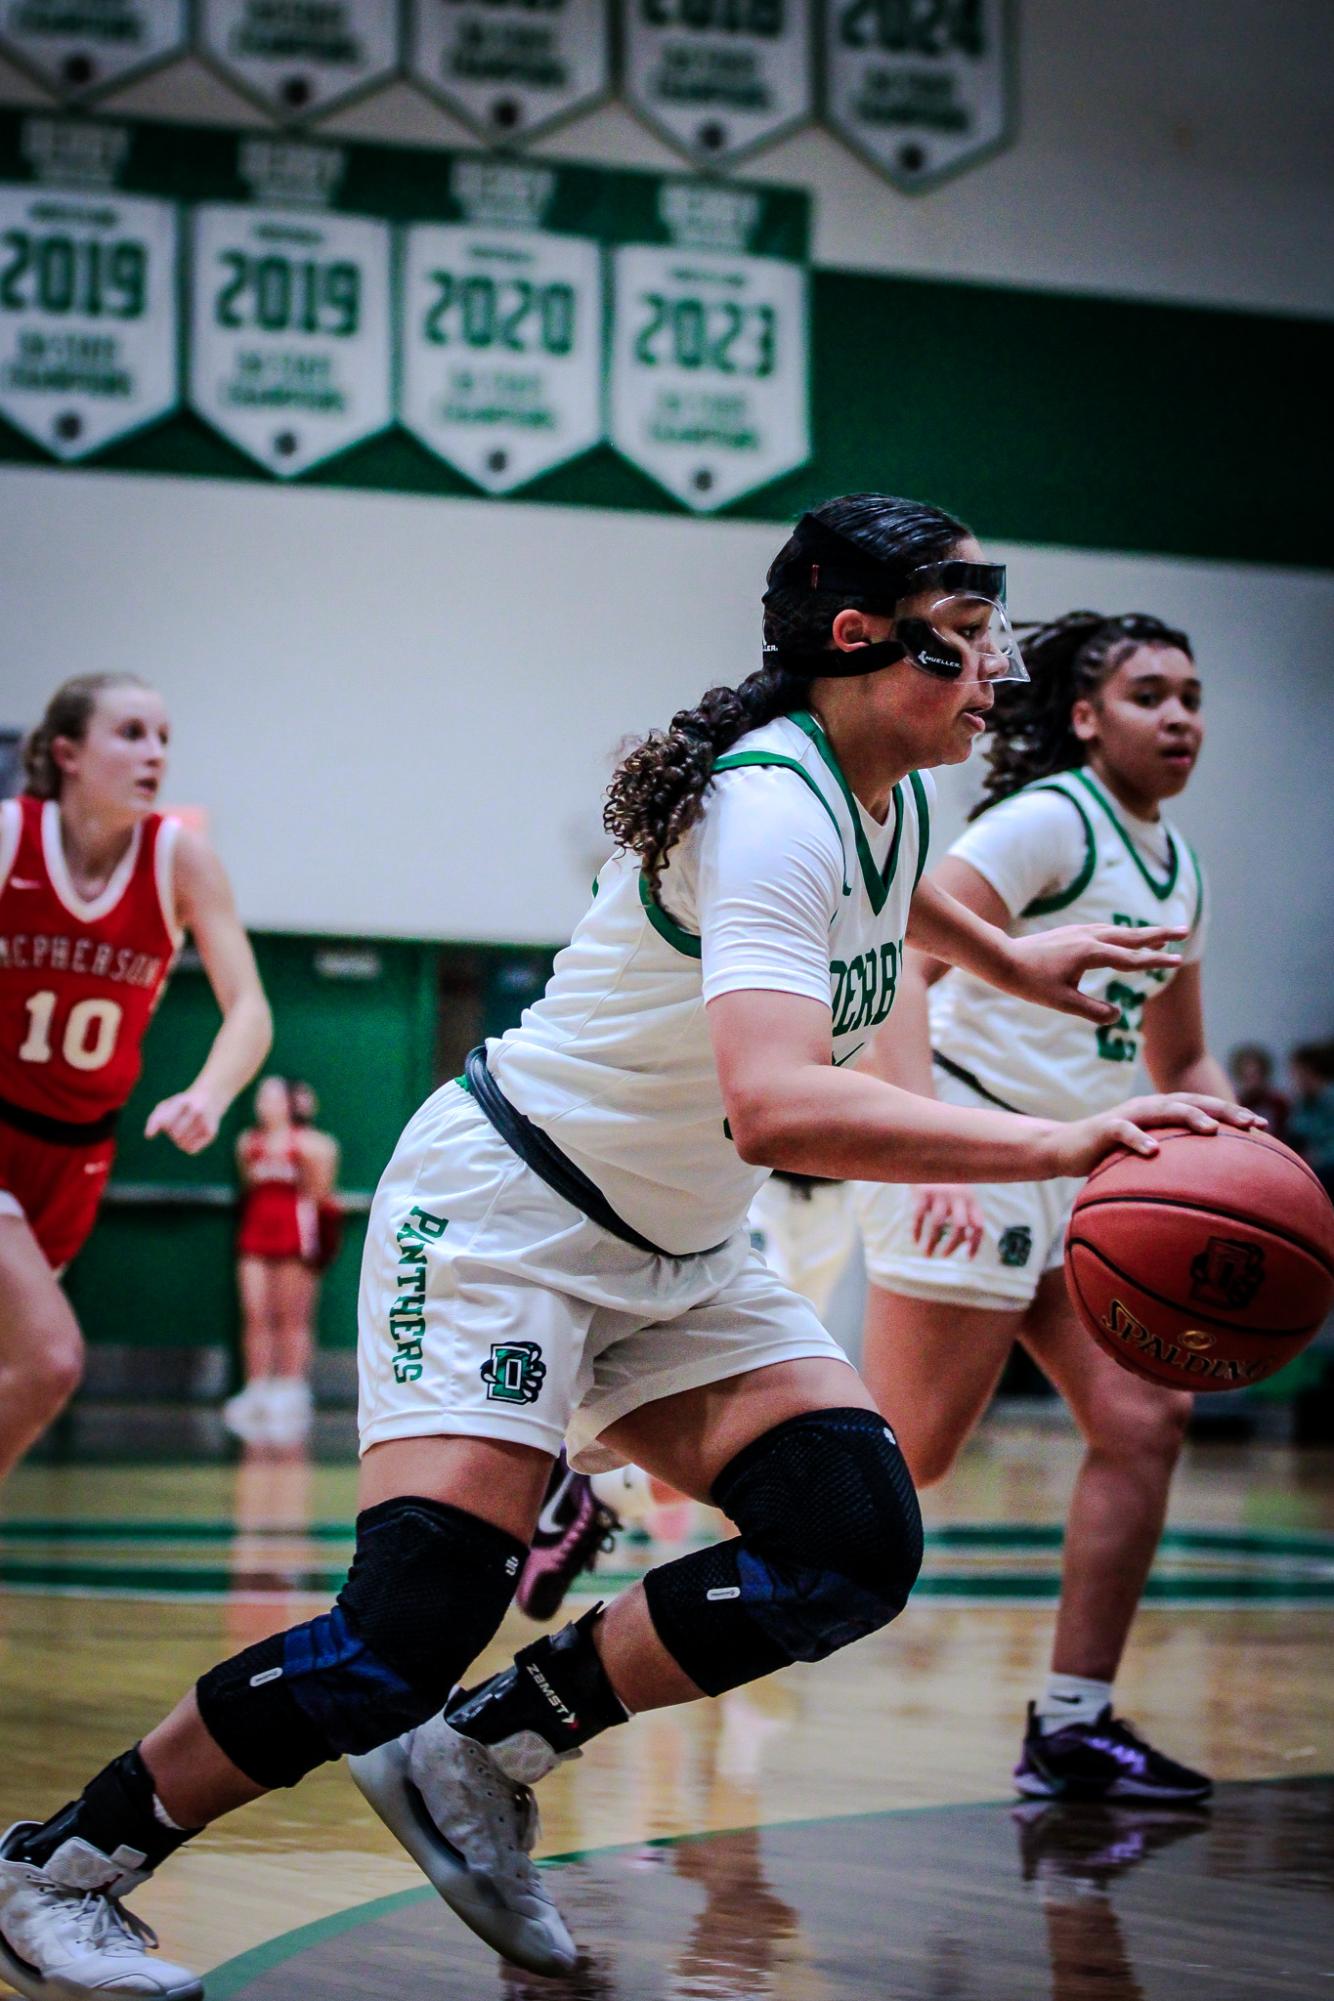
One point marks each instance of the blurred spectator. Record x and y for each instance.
(1251, 1068)
(286, 1235)
(1311, 1121)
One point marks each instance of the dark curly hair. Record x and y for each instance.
(1030, 734)
(657, 791)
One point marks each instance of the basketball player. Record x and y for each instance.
(96, 891)
(287, 1170)
(559, 1245)
(1070, 829)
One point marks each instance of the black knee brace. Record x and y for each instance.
(428, 1586)
(830, 1547)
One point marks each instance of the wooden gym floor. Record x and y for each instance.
(840, 1831)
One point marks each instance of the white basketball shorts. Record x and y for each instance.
(490, 1307)
(1023, 1238)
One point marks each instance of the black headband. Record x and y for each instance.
(823, 559)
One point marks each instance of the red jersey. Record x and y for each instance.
(276, 1220)
(79, 980)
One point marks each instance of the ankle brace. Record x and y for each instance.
(116, 1815)
(553, 1699)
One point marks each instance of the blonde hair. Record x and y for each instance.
(68, 714)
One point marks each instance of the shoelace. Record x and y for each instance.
(100, 1921)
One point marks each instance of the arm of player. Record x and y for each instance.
(207, 909)
(1175, 1052)
(318, 1154)
(1045, 967)
(789, 1107)
(946, 1217)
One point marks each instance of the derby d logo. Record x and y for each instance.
(1228, 1272)
(515, 1372)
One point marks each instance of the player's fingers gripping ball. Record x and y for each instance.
(1207, 1266)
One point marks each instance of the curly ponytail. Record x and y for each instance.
(657, 792)
(68, 714)
(1030, 734)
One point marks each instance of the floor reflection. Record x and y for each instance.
(988, 1903)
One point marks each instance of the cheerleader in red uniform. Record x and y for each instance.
(286, 1170)
(97, 890)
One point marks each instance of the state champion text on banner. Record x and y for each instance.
(76, 47)
(396, 311)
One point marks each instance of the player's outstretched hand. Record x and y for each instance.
(946, 1218)
(1047, 966)
(190, 1119)
(1080, 1145)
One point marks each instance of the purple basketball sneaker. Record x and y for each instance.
(1102, 1760)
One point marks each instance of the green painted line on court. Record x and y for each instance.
(1217, 1587)
(952, 1535)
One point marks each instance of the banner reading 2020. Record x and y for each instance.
(710, 343)
(502, 323)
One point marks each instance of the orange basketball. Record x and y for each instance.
(1208, 1266)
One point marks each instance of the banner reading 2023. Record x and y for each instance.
(710, 345)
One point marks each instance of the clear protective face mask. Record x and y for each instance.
(966, 634)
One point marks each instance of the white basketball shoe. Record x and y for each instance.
(66, 1936)
(470, 1824)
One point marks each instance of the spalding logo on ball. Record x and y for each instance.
(1206, 1267)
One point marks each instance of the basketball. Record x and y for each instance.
(1207, 1266)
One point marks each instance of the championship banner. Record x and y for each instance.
(502, 324)
(709, 359)
(920, 88)
(88, 315)
(298, 59)
(252, 305)
(76, 46)
(510, 71)
(289, 331)
(718, 78)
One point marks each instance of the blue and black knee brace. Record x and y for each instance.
(830, 1547)
(429, 1585)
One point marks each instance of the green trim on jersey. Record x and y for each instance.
(665, 926)
(877, 881)
(923, 823)
(1162, 890)
(1043, 906)
(736, 760)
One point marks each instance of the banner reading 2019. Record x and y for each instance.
(247, 305)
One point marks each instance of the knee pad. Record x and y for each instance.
(830, 1547)
(427, 1589)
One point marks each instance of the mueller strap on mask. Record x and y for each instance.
(963, 632)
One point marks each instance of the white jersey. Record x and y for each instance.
(1063, 852)
(784, 883)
